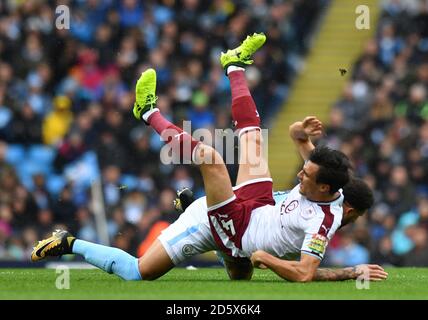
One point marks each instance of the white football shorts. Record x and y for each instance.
(190, 234)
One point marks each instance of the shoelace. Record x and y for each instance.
(151, 100)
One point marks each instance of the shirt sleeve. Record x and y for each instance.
(315, 245)
(315, 241)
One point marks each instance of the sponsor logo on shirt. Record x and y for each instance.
(318, 244)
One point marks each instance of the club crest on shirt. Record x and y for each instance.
(188, 250)
(308, 213)
(290, 207)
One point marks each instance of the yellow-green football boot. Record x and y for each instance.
(241, 56)
(145, 93)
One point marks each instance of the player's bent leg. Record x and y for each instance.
(252, 160)
(155, 262)
(217, 184)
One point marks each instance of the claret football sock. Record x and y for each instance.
(180, 141)
(111, 260)
(238, 84)
(244, 111)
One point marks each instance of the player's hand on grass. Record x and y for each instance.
(374, 271)
(312, 127)
(257, 259)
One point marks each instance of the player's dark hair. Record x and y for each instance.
(358, 194)
(333, 167)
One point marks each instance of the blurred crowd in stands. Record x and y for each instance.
(381, 122)
(67, 95)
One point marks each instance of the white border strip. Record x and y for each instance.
(221, 204)
(243, 184)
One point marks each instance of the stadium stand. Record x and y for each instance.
(380, 121)
(66, 96)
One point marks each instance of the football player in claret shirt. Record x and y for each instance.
(243, 221)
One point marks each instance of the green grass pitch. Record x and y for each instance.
(204, 284)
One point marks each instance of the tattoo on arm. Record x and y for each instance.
(336, 274)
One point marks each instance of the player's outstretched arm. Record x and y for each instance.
(307, 269)
(372, 272)
(296, 271)
(301, 133)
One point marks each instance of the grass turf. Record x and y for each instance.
(205, 283)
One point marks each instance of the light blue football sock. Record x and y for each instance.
(111, 260)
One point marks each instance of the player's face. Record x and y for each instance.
(307, 177)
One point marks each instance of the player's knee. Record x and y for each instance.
(147, 272)
(252, 137)
(240, 275)
(207, 155)
(239, 270)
